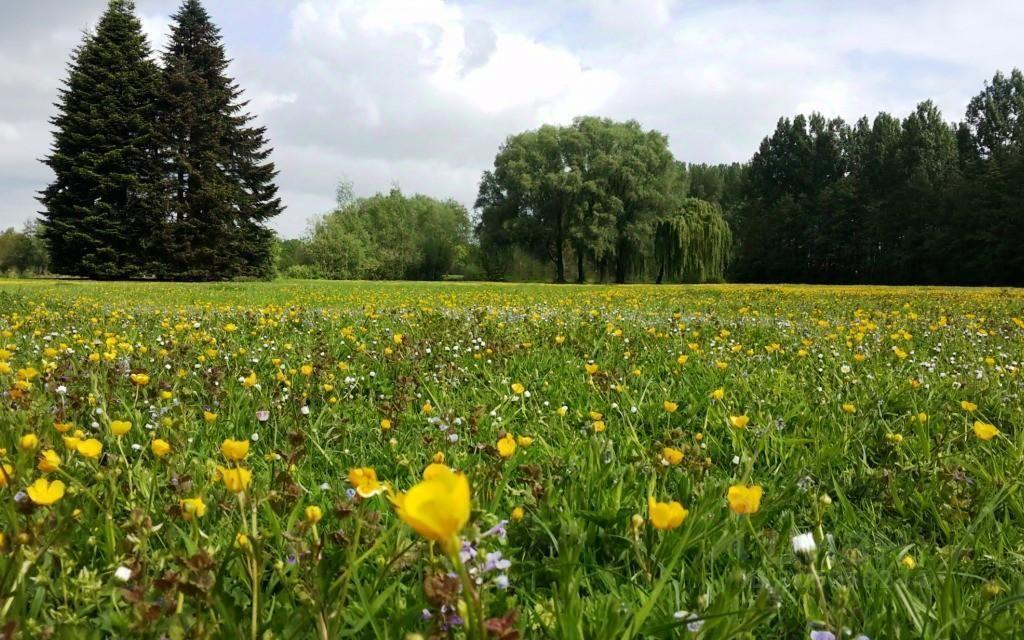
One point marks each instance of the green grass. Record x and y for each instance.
(875, 486)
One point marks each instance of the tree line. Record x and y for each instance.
(918, 200)
(159, 171)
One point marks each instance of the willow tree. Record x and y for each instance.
(692, 243)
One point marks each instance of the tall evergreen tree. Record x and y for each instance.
(106, 204)
(222, 187)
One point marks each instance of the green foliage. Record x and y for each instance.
(158, 172)
(595, 188)
(391, 237)
(105, 209)
(885, 201)
(23, 252)
(693, 243)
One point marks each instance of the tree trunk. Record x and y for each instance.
(661, 272)
(580, 278)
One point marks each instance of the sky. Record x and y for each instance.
(420, 94)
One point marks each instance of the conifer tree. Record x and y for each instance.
(106, 205)
(222, 187)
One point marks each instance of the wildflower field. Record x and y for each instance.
(357, 460)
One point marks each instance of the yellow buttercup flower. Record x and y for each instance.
(518, 389)
(385, 424)
(435, 468)
(91, 448)
(507, 446)
(313, 514)
(524, 441)
(849, 407)
(250, 380)
(665, 515)
(671, 456)
(437, 508)
(209, 417)
(745, 499)
(967, 406)
(28, 442)
(591, 368)
(6, 475)
(599, 426)
(984, 430)
(234, 450)
(43, 492)
(364, 481)
(718, 393)
(517, 514)
(120, 427)
(669, 406)
(236, 480)
(739, 422)
(49, 461)
(160, 448)
(192, 508)
(139, 379)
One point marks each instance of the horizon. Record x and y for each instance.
(386, 88)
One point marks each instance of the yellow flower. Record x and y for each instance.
(249, 381)
(192, 508)
(43, 492)
(230, 327)
(140, 379)
(234, 450)
(28, 442)
(524, 441)
(507, 446)
(561, 411)
(671, 456)
(908, 562)
(313, 514)
(63, 427)
(160, 447)
(398, 338)
(984, 430)
(242, 541)
(591, 368)
(427, 408)
(681, 360)
(209, 417)
(599, 426)
(718, 393)
(49, 461)
(969, 407)
(745, 499)
(739, 422)
(518, 389)
(120, 427)
(90, 448)
(669, 406)
(235, 480)
(385, 424)
(559, 339)
(364, 481)
(6, 474)
(849, 407)
(437, 508)
(435, 468)
(306, 370)
(517, 514)
(665, 515)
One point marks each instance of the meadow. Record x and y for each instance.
(375, 460)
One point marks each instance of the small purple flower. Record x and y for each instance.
(497, 530)
(501, 581)
(823, 635)
(292, 559)
(263, 415)
(467, 552)
(426, 615)
(495, 561)
(351, 493)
